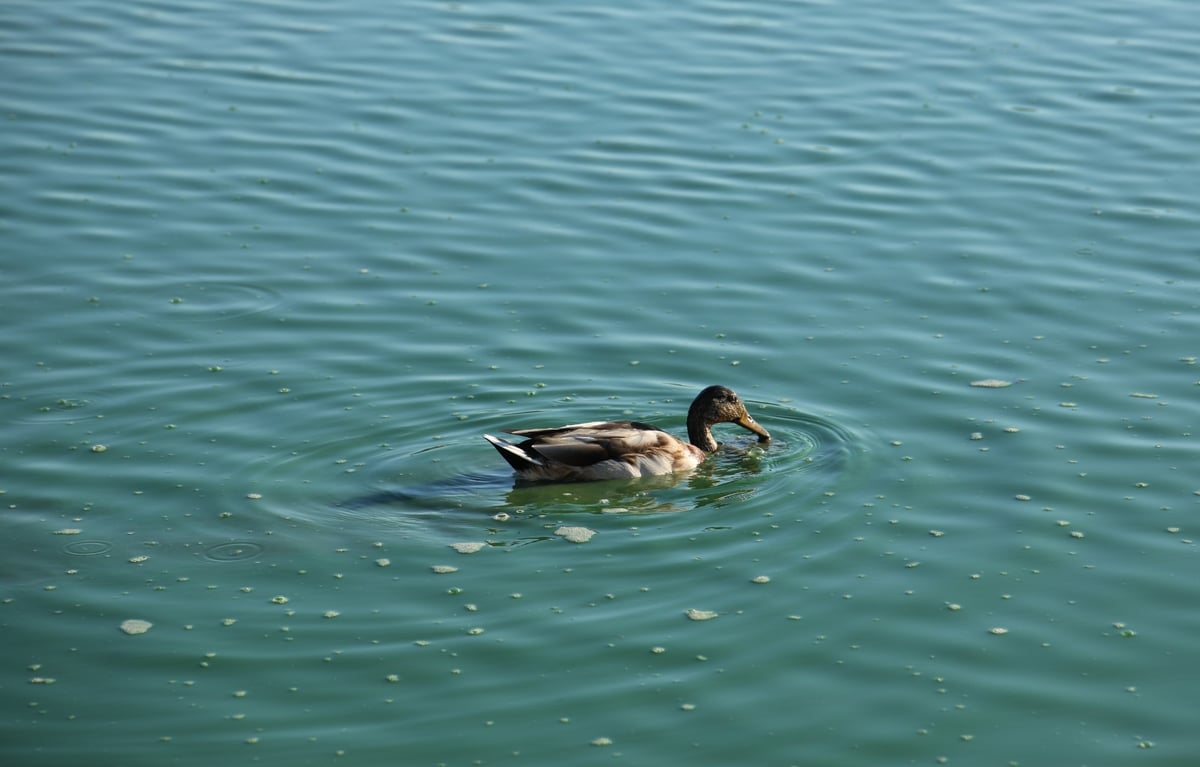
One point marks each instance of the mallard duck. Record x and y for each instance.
(623, 449)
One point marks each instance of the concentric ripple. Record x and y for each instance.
(430, 491)
(57, 408)
(87, 548)
(214, 300)
(233, 551)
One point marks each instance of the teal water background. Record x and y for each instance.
(270, 268)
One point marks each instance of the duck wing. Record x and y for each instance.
(585, 444)
(596, 450)
(591, 429)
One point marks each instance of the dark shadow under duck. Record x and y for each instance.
(624, 449)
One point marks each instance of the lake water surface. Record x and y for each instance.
(269, 269)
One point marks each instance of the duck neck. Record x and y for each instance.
(700, 433)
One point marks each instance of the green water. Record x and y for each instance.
(270, 269)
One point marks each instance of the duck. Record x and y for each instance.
(624, 449)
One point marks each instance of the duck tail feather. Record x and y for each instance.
(517, 458)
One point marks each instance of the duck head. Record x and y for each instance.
(714, 405)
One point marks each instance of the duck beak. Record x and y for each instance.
(747, 422)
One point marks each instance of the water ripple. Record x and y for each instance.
(50, 408)
(215, 300)
(430, 490)
(87, 548)
(233, 551)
